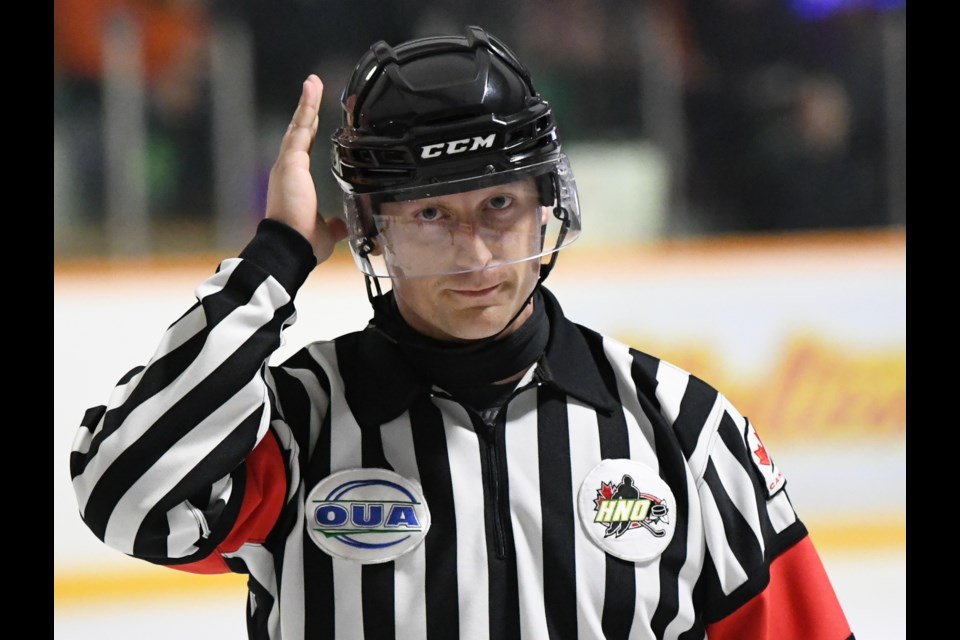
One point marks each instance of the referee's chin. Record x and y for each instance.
(468, 307)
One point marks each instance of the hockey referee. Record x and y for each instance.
(471, 464)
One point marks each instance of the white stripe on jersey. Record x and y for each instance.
(523, 461)
(692, 564)
(344, 454)
(729, 571)
(188, 326)
(292, 616)
(218, 280)
(319, 402)
(671, 383)
(473, 581)
(344, 430)
(348, 605)
(697, 462)
(639, 429)
(259, 563)
(409, 587)
(410, 569)
(184, 522)
(781, 512)
(584, 454)
(738, 484)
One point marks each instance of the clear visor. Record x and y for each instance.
(466, 225)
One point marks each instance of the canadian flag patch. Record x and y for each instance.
(770, 473)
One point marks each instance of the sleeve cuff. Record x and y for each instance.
(282, 252)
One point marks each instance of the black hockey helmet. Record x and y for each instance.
(441, 115)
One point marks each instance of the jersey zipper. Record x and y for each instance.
(488, 428)
(492, 430)
(489, 431)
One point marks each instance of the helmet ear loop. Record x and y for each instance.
(364, 250)
(560, 213)
(368, 247)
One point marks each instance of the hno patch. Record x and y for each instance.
(627, 510)
(367, 515)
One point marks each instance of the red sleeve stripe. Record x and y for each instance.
(264, 493)
(798, 603)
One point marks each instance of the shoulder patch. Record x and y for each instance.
(627, 510)
(773, 479)
(367, 515)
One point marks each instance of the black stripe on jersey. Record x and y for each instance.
(698, 400)
(151, 539)
(241, 285)
(698, 631)
(740, 537)
(188, 311)
(295, 410)
(319, 612)
(259, 605)
(243, 282)
(376, 582)
(620, 588)
(378, 606)
(297, 403)
(371, 450)
(733, 438)
(130, 374)
(205, 398)
(91, 418)
(644, 371)
(673, 471)
(440, 545)
(559, 521)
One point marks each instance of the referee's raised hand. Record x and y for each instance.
(291, 195)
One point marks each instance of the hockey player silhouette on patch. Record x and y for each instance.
(625, 491)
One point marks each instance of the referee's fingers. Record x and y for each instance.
(303, 125)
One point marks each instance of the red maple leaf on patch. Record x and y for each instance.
(761, 453)
(605, 492)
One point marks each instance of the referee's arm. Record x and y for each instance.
(763, 578)
(181, 462)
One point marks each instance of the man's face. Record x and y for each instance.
(484, 236)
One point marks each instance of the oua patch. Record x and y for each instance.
(367, 515)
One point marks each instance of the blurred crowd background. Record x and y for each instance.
(703, 117)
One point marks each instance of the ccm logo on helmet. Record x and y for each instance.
(457, 146)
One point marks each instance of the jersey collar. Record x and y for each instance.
(380, 386)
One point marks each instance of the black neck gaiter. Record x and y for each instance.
(457, 365)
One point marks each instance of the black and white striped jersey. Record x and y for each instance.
(207, 459)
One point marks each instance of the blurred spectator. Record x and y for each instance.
(173, 39)
(785, 120)
(585, 56)
(801, 171)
